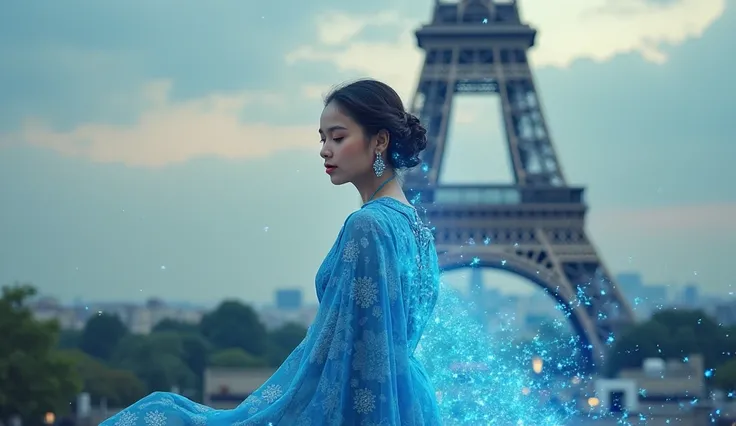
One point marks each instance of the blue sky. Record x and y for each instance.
(170, 148)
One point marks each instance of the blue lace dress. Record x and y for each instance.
(377, 288)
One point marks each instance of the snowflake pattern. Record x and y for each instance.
(126, 419)
(364, 401)
(165, 401)
(331, 399)
(202, 408)
(377, 312)
(324, 339)
(292, 362)
(304, 420)
(272, 393)
(392, 284)
(372, 356)
(350, 252)
(155, 418)
(199, 420)
(365, 292)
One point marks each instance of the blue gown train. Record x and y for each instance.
(376, 288)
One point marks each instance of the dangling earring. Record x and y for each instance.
(378, 165)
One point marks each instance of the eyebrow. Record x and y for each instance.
(333, 128)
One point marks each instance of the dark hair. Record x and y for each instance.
(375, 106)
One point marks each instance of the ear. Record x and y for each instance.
(382, 141)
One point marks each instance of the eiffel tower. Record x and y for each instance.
(535, 227)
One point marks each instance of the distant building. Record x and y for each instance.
(48, 308)
(226, 388)
(644, 299)
(140, 319)
(288, 299)
(659, 389)
(725, 313)
(274, 318)
(691, 295)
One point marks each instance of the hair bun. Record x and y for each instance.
(413, 144)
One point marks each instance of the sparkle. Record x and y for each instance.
(484, 378)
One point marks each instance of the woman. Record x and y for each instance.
(377, 288)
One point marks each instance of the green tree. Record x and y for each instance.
(69, 339)
(195, 351)
(725, 378)
(282, 341)
(235, 325)
(176, 326)
(34, 376)
(158, 360)
(236, 358)
(101, 335)
(671, 334)
(119, 388)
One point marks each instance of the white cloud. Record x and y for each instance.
(339, 27)
(169, 132)
(601, 29)
(397, 63)
(569, 30)
(315, 91)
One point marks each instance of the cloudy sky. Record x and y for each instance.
(169, 148)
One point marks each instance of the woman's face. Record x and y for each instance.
(347, 156)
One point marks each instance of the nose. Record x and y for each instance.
(324, 152)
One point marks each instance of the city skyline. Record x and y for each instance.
(460, 282)
(152, 163)
(525, 313)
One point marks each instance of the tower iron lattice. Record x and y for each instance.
(534, 227)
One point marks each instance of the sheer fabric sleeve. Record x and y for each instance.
(360, 343)
(352, 368)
